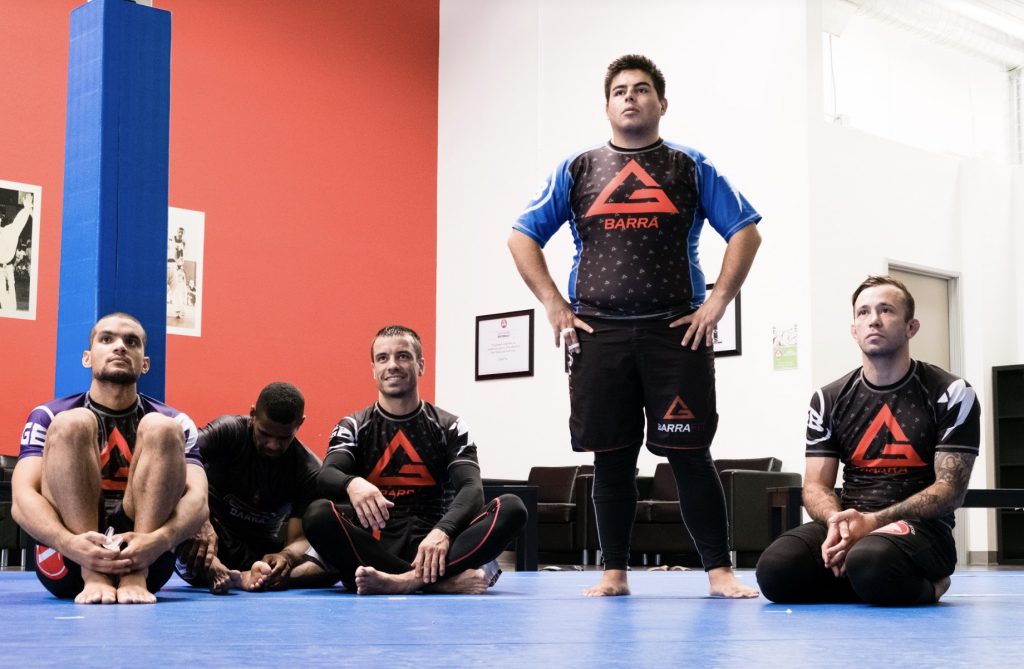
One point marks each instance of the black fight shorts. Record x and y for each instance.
(628, 370)
(63, 577)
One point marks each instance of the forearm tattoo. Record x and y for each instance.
(952, 475)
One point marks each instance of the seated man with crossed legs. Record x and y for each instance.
(386, 525)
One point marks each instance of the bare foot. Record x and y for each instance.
(256, 577)
(99, 589)
(224, 582)
(612, 584)
(941, 586)
(222, 579)
(370, 581)
(725, 584)
(469, 582)
(132, 589)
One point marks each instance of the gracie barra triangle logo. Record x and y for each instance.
(897, 453)
(115, 474)
(412, 473)
(649, 200)
(678, 410)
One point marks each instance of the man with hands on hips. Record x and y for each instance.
(638, 324)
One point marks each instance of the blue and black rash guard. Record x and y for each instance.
(636, 217)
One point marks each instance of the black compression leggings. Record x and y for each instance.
(701, 501)
(346, 545)
(792, 571)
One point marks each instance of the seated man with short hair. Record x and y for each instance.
(109, 458)
(261, 479)
(388, 466)
(907, 433)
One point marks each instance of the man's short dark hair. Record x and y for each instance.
(117, 314)
(874, 281)
(281, 402)
(635, 61)
(399, 331)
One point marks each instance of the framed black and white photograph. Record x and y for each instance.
(727, 333)
(185, 230)
(504, 345)
(20, 207)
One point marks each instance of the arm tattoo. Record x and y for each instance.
(952, 474)
(954, 469)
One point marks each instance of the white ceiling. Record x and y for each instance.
(993, 29)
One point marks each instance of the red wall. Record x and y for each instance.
(307, 133)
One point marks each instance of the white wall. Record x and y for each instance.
(521, 88)
(876, 201)
(893, 83)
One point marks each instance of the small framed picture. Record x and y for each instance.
(727, 333)
(185, 234)
(504, 345)
(20, 207)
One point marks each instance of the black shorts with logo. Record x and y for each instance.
(63, 578)
(628, 369)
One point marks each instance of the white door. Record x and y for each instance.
(936, 342)
(931, 302)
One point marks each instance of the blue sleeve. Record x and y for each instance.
(726, 209)
(549, 207)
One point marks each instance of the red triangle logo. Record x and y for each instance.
(648, 200)
(897, 453)
(411, 473)
(678, 410)
(117, 447)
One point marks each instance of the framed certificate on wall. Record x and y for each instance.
(727, 333)
(504, 345)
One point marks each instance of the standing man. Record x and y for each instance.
(636, 324)
(109, 458)
(390, 464)
(907, 434)
(262, 479)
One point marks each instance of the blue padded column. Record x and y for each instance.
(114, 239)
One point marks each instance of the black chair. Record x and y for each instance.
(10, 533)
(659, 534)
(561, 513)
(748, 504)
